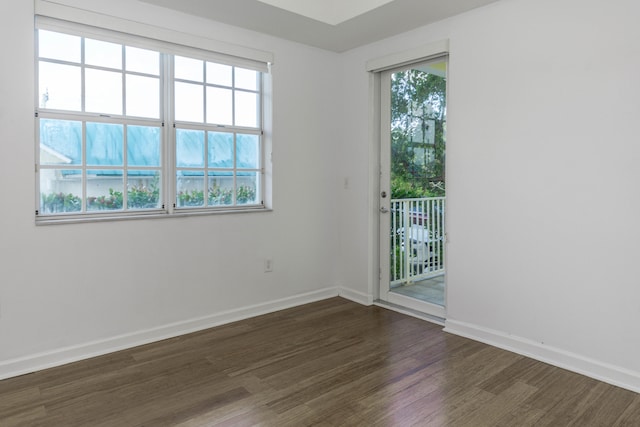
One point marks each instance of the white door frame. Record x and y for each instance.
(381, 70)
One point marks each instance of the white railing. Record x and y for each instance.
(417, 239)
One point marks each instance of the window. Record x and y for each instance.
(125, 130)
(217, 164)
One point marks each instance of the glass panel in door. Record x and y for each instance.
(413, 186)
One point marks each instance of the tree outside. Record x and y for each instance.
(418, 127)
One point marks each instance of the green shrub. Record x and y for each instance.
(245, 195)
(217, 196)
(143, 197)
(191, 198)
(111, 202)
(401, 188)
(220, 196)
(60, 202)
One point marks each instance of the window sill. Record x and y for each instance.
(69, 219)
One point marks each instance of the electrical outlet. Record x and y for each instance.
(268, 265)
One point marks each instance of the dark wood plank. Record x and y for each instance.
(330, 363)
(630, 416)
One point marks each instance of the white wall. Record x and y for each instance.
(67, 291)
(542, 205)
(543, 179)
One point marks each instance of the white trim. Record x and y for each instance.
(77, 14)
(62, 356)
(563, 359)
(380, 79)
(400, 59)
(373, 231)
(409, 312)
(416, 304)
(355, 296)
(163, 121)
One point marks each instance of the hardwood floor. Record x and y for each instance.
(330, 363)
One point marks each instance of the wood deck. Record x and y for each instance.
(429, 290)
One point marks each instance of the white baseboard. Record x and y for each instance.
(355, 296)
(601, 371)
(36, 362)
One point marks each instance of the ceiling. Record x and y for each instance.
(332, 12)
(336, 25)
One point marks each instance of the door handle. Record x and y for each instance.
(383, 209)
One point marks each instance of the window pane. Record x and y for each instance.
(115, 162)
(143, 189)
(103, 91)
(60, 191)
(190, 189)
(102, 54)
(219, 104)
(220, 188)
(142, 60)
(143, 96)
(220, 150)
(59, 86)
(246, 79)
(219, 74)
(189, 148)
(58, 46)
(248, 151)
(105, 144)
(188, 69)
(104, 190)
(246, 109)
(247, 185)
(189, 102)
(143, 146)
(60, 142)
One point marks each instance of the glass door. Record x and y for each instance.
(413, 186)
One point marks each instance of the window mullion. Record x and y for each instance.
(168, 131)
(233, 96)
(125, 131)
(84, 167)
(235, 169)
(205, 173)
(125, 167)
(124, 82)
(263, 153)
(82, 77)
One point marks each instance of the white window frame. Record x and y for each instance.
(169, 126)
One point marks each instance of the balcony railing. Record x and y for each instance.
(417, 239)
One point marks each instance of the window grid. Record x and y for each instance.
(135, 188)
(217, 186)
(239, 191)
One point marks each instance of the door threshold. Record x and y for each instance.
(410, 312)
